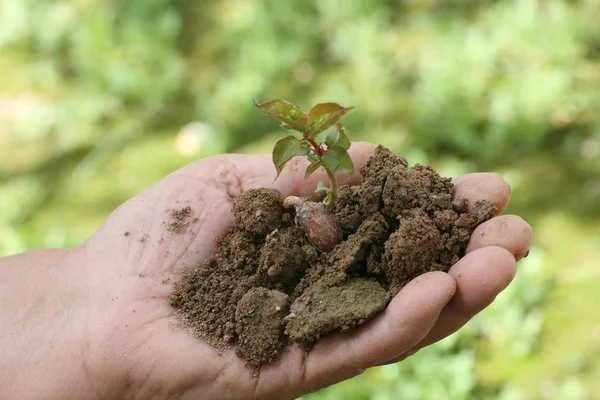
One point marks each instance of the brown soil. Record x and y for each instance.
(180, 219)
(266, 285)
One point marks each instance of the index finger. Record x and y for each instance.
(482, 186)
(251, 171)
(238, 173)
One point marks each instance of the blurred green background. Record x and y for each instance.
(99, 99)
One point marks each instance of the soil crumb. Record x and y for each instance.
(180, 220)
(266, 285)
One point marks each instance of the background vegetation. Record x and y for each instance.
(99, 99)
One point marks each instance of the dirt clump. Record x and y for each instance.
(267, 285)
(323, 308)
(282, 258)
(259, 323)
(412, 250)
(259, 214)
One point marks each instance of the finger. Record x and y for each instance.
(482, 186)
(405, 322)
(480, 276)
(510, 232)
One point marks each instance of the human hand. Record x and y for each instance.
(121, 279)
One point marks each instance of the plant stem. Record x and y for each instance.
(317, 147)
(333, 193)
(333, 190)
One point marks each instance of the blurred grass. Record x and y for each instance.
(98, 100)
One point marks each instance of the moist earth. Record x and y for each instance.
(267, 286)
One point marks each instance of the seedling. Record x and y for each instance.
(331, 153)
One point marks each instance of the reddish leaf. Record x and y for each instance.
(323, 116)
(299, 125)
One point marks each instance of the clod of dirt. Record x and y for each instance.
(282, 258)
(259, 323)
(417, 187)
(412, 249)
(399, 223)
(349, 256)
(323, 309)
(259, 211)
(347, 209)
(375, 173)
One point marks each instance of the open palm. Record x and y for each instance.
(136, 349)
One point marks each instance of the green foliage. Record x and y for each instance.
(334, 158)
(284, 150)
(338, 137)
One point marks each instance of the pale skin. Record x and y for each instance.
(94, 321)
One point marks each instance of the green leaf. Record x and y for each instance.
(285, 149)
(305, 148)
(281, 110)
(343, 141)
(337, 159)
(332, 138)
(312, 168)
(299, 125)
(311, 157)
(322, 116)
(338, 137)
(321, 188)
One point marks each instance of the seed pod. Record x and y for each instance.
(319, 226)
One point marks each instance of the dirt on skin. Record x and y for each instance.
(180, 219)
(267, 286)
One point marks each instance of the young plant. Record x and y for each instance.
(331, 153)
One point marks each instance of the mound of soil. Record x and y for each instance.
(266, 285)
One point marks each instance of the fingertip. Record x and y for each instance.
(480, 276)
(483, 186)
(362, 150)
(526, 231)
(510, 232)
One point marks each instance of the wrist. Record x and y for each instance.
(42, 302)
